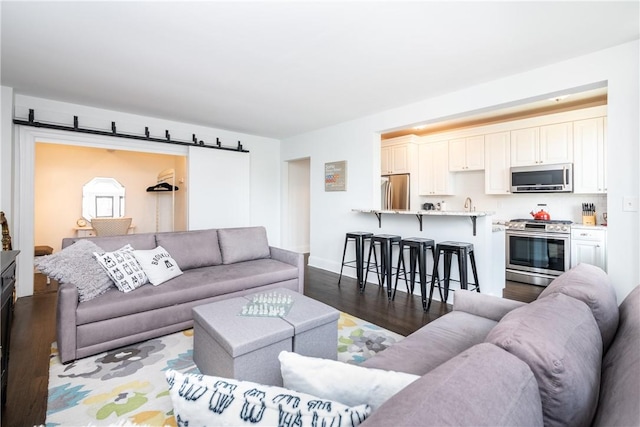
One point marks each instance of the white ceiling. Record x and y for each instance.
(281, 68)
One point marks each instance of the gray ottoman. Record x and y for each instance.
(315, 326)
(232, 346)
(246, 348)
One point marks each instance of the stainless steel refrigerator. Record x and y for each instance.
(395, 192)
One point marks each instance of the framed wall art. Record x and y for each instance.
(335, 176)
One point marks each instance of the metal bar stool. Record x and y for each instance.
(462, 250)
(359, 238)
(386, 242)
(418, 247)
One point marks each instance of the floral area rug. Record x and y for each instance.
(127, 385)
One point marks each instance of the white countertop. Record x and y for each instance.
(590, 227)
(422, 212)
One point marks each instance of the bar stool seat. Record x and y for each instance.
(385, 273)
(359, 238)
(418, 247)
(463, 251)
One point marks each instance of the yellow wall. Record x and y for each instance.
(62, 170)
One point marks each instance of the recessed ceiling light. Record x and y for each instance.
(558, 98)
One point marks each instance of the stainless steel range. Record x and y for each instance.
(537, 251)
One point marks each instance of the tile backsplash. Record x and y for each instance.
(561, 206)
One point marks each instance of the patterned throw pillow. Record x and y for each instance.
(123, 268)
(201, 400)
(158, 265)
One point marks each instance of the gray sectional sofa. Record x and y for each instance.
(570, 358)
(216, 264)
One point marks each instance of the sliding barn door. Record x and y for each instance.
(218, 193)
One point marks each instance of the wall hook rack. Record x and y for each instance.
(113, 132)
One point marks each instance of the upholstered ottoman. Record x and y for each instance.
(246, 348)
(230, 345)
(315, 326)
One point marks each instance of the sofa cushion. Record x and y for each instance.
(76, 265)
(203, 400)
(193, 285)
(592, 286)
(559, 339)
(433, 344)
(243, 244)
(345, 383)
(620, 381)
(192, 249)
(483, 386)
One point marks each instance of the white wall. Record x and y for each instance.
(264, 191)
(6, 151)
(358, 142)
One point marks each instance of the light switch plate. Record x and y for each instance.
(630, 204)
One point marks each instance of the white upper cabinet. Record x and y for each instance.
(544, 144)
(497, 148)
(466, 154)
(395, 155)
(589, 170)
(433, 170)
(556, 143)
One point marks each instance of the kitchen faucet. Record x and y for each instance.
(468, 203)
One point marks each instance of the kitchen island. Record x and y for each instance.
(464, 226)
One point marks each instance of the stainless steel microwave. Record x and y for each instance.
(542, 179)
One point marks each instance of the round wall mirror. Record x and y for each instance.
(102, 198)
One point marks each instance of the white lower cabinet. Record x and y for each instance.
(589, 246)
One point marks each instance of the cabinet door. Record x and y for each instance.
(497, 178)
(588, 149)
(588, 252)
(385, 160)
(425, 169)
(466, 154)
(434, 177)
(475, 152)
(400, 159)
(589, 246)
(525, 147)
(457, 154)
(556, 143)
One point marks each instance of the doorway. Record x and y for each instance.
(299, 205)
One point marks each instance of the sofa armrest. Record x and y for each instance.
(66, 321)
(487, 306)
(290, 257)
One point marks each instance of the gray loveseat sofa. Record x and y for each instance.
(570, 358)
(216, 264)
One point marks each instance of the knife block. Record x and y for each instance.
(588, 220)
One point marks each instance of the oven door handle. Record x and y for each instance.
(557, 236)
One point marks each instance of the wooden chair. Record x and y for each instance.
(111, 226)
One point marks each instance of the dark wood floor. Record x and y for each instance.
(34, 330)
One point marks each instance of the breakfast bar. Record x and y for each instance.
(473, 215)
(472, 227)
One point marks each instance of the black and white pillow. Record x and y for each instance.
(157, 264)
(201, 400)
(123, 268)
